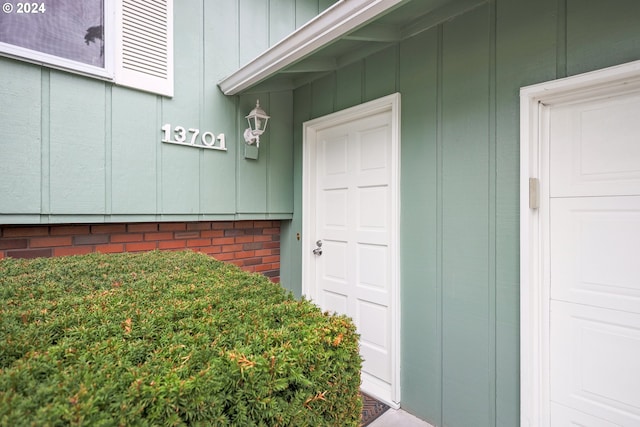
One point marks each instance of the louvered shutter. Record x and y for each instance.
(144, 48)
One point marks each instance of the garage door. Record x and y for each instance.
(594, 260)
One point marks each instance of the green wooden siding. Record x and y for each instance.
(22, 140)
(460, 83)
(78, 149)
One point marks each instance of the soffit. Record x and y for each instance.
(347, 32)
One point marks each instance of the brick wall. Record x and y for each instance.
(252, 245)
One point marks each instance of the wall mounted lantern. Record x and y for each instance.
(257, 119)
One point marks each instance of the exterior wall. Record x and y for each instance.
(254, 246)
(459, 83)
(76, 149)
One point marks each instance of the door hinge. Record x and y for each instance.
(534, 193)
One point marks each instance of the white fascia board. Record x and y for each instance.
(340, 19)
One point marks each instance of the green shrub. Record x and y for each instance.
(167, 338)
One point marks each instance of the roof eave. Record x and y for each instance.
(334, 23)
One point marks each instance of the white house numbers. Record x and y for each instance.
(193, 138)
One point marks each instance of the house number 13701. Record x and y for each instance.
(193, 138)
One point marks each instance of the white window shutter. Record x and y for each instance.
(144, 47)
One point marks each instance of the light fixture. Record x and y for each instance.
(257, 119)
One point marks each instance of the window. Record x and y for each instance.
(135, 49)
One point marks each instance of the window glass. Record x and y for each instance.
(70, 29)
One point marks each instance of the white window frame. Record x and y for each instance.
(113, 69)
(61, 63)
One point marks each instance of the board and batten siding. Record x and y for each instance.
(459, 83)
(79, 149)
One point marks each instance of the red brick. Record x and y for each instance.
(211, 250)
(74, 230)
(271, 245)
(221, 225)
(112, 248)
(25, 231)
(265, 224)
(1, 255)
(13, 243)
(30, 253)
(142, 228)
(91, 239)
(264, 252)
(212, 233)
(274, 275)
(270, 259)
(231, 248)
(266, 238)
(244, 239)
(158, 236)
(253, 246)
(224, 256)
(187, 234)
(238, 263)
(250, 269)
(141, 246)
(264, 267)
(224, 241)
(127, 238)
(172, 226)
(234, 232)
(47, 242)
(72, 250)
(271, 231)
(252, 261)
(172, 244)
(245, 254)
(108, 228)
(243, 224)
(198, 242)
(199, 225)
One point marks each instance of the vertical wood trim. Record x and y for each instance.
(108, 152)
(201, 106)
(158, 151)
(561, 40)
(266, 152)
(440, 214)
(492, 203)
(45, 186)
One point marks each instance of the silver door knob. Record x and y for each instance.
(318, 249)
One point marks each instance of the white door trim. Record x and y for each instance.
(535, 102)
(389, 103)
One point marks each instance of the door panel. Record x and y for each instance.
(595, 367)
(596, 147)
(598, 242)
(352, 202)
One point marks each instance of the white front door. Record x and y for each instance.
(589, 230)
(351, 221)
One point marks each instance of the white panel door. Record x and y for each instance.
(594, 262)
(354, 220)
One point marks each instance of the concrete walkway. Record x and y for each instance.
(398, 418)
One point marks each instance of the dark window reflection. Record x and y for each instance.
(71, 29)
